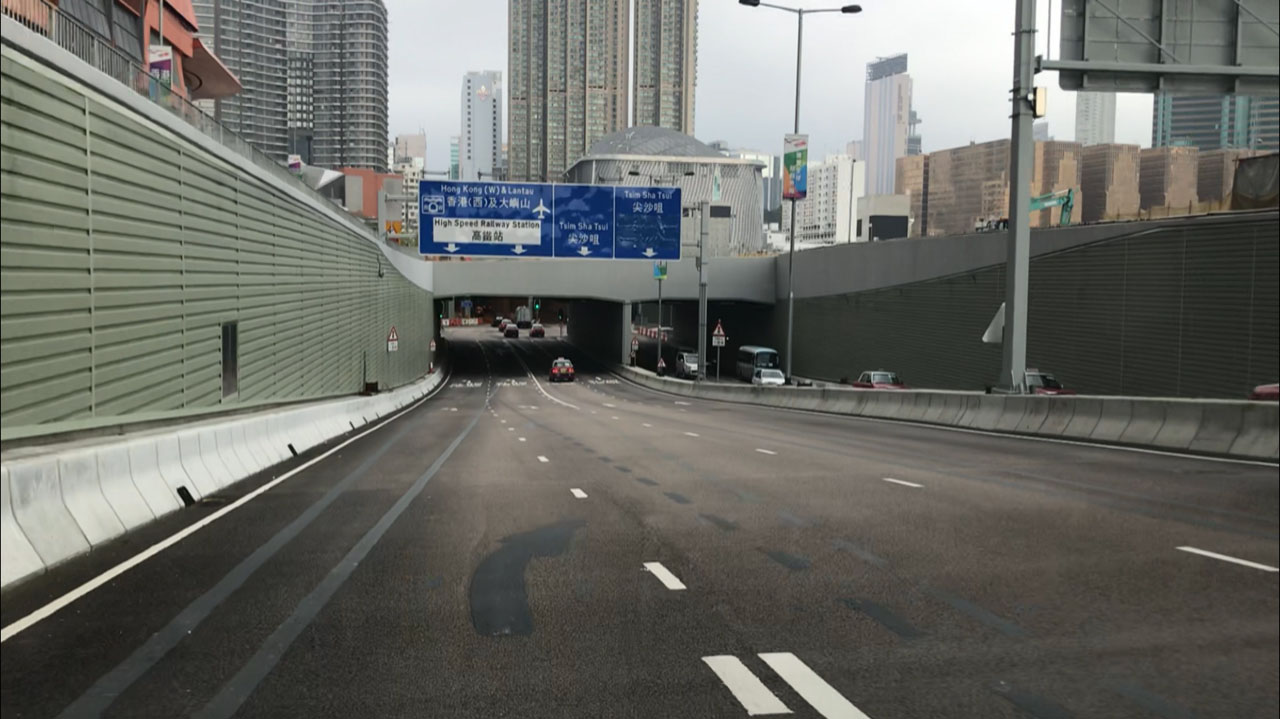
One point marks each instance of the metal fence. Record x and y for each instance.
(43, 18)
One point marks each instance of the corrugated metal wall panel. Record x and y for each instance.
(1181, 311)
(124, 251)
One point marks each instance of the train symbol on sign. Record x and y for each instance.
(433, 205)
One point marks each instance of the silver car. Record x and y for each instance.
(687, 365)
(766, 377)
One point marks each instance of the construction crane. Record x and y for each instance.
(1066, 199)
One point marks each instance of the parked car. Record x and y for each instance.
(879, 379)
(497, 321)
(687, 364)
(511, 331)
(766, 377)
(1044, 383)
(1266, 392)
(561, 370)
(537, 331)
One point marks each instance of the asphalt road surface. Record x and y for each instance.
(514, 548)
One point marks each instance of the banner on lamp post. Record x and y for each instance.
(795, 166)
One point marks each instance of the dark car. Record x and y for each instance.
(524, 324)
(537, 331)
(1044, 383)
(511, 331)
(497, 321)
(879, 379)
(1266, 392)
(561, 370)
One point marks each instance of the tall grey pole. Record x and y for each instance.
(702, 289)
(1014, 363)
(791, 254)
(659, 360)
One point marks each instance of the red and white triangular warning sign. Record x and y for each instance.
(719, 330)
(393, 341)
(393, 337)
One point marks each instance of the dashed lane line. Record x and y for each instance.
(750, 692)
(1227, 558)
(578, 493)
(905, 484)
(765, 451)
(811, 687)
(542, 459)
(664, 575)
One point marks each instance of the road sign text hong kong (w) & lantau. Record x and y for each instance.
(514, 219)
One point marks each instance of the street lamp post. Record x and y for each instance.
(791, 253)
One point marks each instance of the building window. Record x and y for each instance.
(230, 359)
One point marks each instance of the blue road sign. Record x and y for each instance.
(508, 219)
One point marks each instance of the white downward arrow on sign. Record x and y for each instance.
(518, 249)
(584, 251)
(648, 252)
(451, 247)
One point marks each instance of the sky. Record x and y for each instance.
(960, 58)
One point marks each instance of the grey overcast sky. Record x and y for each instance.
(960, 61)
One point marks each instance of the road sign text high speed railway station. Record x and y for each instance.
(512, 219)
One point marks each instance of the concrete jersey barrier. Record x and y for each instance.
(1226, 428)
(61, 501)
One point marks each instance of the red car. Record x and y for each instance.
(561, 370)
(1044, 383)
(879, 379)
(1266, 392)
(538, 331)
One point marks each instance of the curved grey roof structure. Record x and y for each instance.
(650, 141)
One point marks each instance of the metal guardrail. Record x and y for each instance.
(44, 18)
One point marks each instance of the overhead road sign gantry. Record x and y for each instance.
(513, 219)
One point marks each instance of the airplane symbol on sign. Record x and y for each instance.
(541, 210)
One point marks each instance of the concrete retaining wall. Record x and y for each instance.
(61, 501)
(1229, 428)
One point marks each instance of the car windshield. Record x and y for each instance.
(376, 506)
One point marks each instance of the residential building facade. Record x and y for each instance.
(666, 58)
(886, 120)
(829, 212)
(480, 144)
(568, 84)
(1095, 118)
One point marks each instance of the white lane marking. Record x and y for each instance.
(811, 687)
(1225, 558)
(765, 451)
(692, 434)
(750, 692)
(576, 492)
(503, 421)
(61, 602)
(542, 459)
(610, 406)
(614, 417)
(905, 484)
(511, 429)
(645, 424)
(686, 404)
(664, 575)
(521, 439)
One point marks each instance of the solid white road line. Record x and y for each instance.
(692, 434)
(664, 575)
(576, 492)
(905, 484)
(750, 692)
(1225, 558)
(58, 604)
(542, 459)
(765, 451)
(811, 687)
